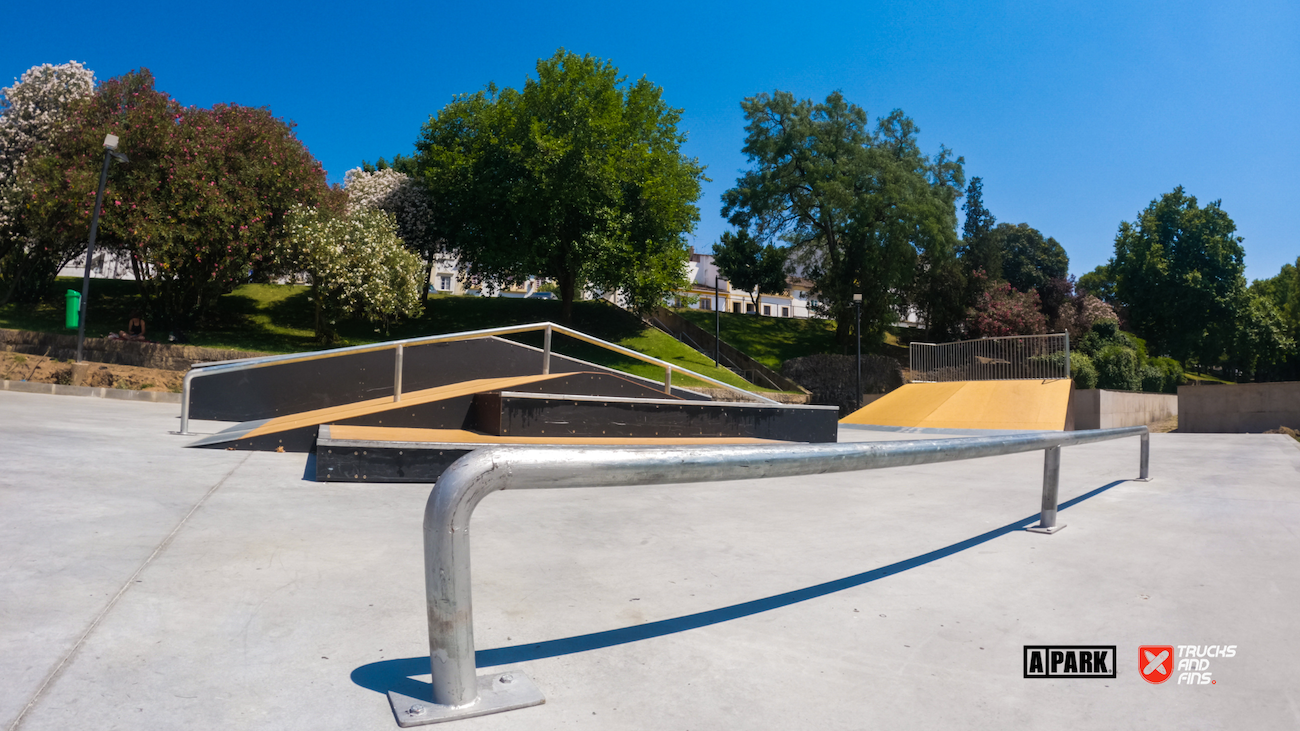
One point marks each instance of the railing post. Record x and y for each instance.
(186, 387)
(1144, 461)
(397, 373)
(1051, 485)
(668, 380)
(1067, 359)
(546, 351)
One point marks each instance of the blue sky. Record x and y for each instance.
(1076, 118)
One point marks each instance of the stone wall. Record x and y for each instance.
(1242, 408)
(120, 352)
(1095, 408)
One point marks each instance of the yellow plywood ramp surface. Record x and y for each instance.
(1022, 405)
(460, 436)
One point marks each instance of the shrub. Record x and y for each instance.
(1153, 379)
(1117, 369)
(1083, 371)
(1172, 372)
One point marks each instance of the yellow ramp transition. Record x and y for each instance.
(1024, 405)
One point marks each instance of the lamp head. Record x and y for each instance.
(857, 298)
(119, 156)
(110, 142)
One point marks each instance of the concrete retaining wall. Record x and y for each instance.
(1241, 408)
(1095, 408)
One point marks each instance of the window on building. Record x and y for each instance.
(767, 310)
(444, 282)
(706, 304)
(749, 308)
(735, 307)
(785, 312)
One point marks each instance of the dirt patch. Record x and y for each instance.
(43, 369)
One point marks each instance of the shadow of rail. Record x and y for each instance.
(395, 674)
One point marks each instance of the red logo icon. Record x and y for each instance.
(1156, 662)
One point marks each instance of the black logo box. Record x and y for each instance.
(1069, 661)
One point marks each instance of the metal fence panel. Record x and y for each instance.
(1038, 357)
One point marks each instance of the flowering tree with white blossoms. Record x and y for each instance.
(32, 111)
(407, 200)
(357, 266)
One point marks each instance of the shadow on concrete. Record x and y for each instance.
(396, 674)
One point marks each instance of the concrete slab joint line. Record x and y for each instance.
(99, 618)
(458, 691)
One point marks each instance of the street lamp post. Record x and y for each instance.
(857, 329)
(717, 326)
(110, 152)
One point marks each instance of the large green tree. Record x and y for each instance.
(1179, 273)
(1029, 261)
(200, 207)
(978, 251)
(579, 177)
(856, 205)
(750, 266)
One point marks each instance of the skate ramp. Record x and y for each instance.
(1014, 405)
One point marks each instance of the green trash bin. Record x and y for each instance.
(72, 318)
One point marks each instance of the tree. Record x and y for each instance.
(978, 250)
(32, 111)
(855, 205)
(749, 266)
(357, 266)
(1099, 283)
(1028, 260)
(1282, 293)
(199, 209)
(1179, 273)
(386, 189)
(1002, 310)
(578, 178)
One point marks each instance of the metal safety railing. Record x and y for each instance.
(989, 359)
(398, 346)
(458, 692)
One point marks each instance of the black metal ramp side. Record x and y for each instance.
(334, 380)
(514, 413)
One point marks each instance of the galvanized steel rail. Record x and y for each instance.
(457, 690)
(228, 366)
(987, 359)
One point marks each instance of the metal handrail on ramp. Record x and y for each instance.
(228, 366)
(458, 692)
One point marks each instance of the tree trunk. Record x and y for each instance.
(567, 285)
(428, 277)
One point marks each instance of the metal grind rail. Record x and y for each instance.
(458, 691)
(1001, 358)
(208, 369)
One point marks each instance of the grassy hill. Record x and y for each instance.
(274, 318)
(774, 340)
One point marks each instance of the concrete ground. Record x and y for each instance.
(148, 586)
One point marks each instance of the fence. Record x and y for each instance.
(992, 359)
(458, 692)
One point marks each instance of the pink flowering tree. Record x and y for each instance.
(1001, 310)
(201, 207)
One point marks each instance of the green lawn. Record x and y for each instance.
(774, 340)
(274, 318)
